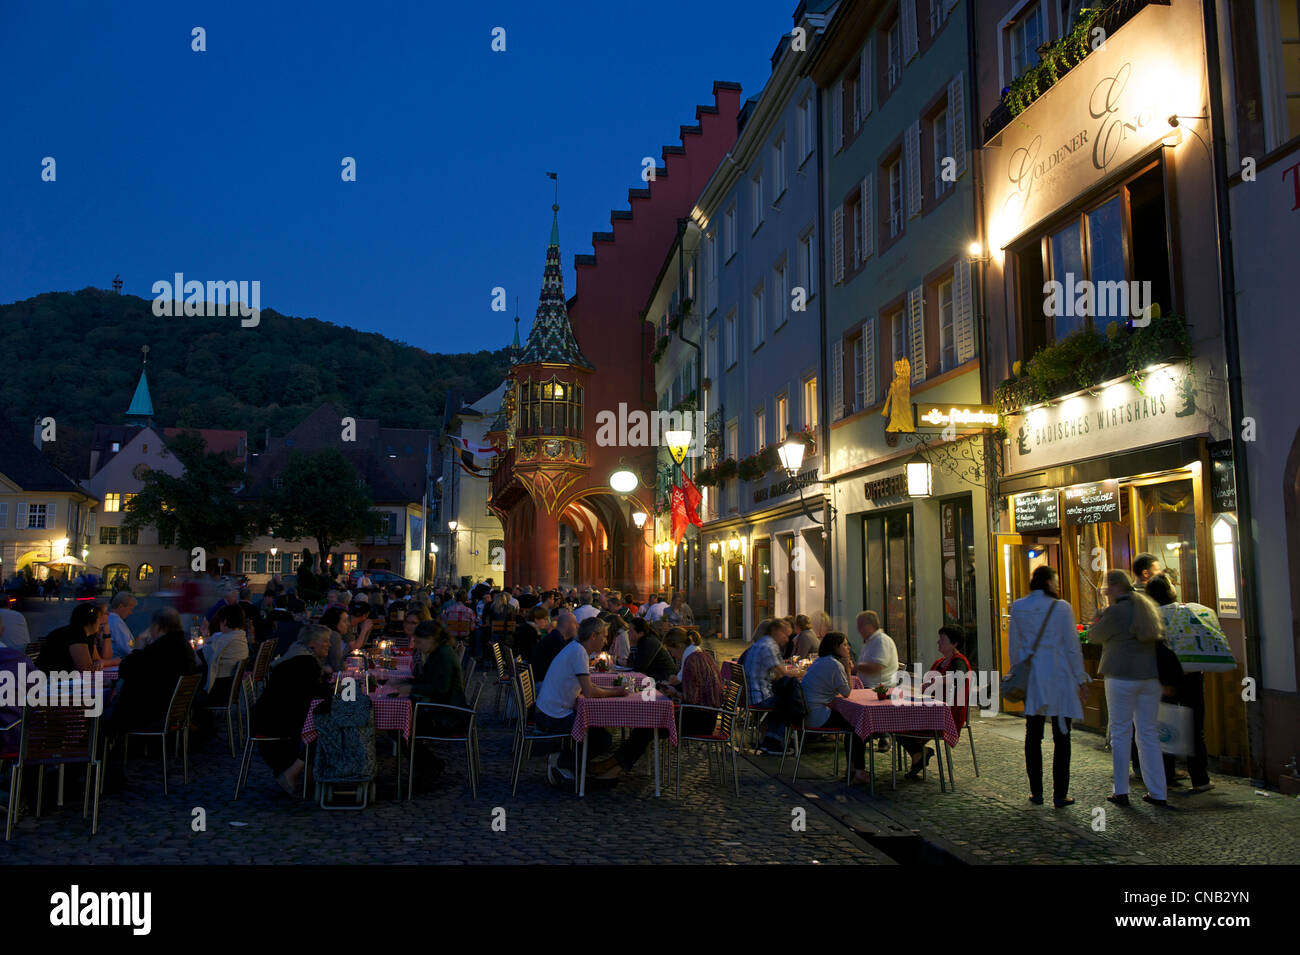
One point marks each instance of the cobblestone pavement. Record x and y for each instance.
(443, 824)
(986, 820)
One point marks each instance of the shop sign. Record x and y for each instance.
(1223, 481)
(956, 416)
(1036, 511)
(787, 485)
(1173, 404)
(1092, 503)
(1111, 108)
(895, 485)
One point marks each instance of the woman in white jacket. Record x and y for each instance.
(1057, 680)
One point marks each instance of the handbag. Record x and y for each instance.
(1174, 725)
(1015, 685)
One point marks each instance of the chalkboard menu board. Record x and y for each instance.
(1039, 511)
(1223, 481)
(1092, 503)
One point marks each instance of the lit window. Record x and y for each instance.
(782, 415)
(112, 501)
(248, 562)
(116, 446)
(760, 429)
(349, 563)
(810, 402)
(145, 572)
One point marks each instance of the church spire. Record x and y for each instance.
(140, 412)
(551, 340)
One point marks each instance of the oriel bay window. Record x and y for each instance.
(550, 407)
(1104, 261)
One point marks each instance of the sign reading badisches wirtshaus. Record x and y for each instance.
(1175, 402)
(1111, 108)
(787, 485)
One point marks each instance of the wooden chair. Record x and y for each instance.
(33, 649)
(262, 666)
(469, 736)
(505, 674)
(460, 628)
(55, 736)
(231, 706)
(723, 735)
(526, 733)
(753, 715)
(176, 720)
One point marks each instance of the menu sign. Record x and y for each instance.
(1092, 503)
(1223, 481)
(1039, 511)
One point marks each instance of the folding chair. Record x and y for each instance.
(505, 674)
(55, 736)
(753, 715)
(231, 704)
(262, 666)
(801, 734)
(469, 737)
(723, 734)
(251, 737)
(176, 720)
(526, 733)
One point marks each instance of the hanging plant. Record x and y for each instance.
(727, 469)
(706, 477)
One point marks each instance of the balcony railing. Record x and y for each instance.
(1058, 61)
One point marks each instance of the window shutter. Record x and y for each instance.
(837, 244)
(957, 122)
(837, 379)
(907, 16)
(864, 79)
(51, 515)
(912, 162)
(916, 332)
(261, 563)
(963, 318)
(868, 206)
(870, 393)
(837, 119)
(20, 516)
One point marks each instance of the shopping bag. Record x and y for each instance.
(1174, 723)
(1193, 632)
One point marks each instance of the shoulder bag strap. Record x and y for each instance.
(1042, 629)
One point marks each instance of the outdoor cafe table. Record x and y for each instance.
(869, 715)
(617, 712)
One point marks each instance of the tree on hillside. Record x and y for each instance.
(321, 498)
(197, 509)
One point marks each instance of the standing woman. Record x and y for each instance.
(1057, 680)
(1128, 630)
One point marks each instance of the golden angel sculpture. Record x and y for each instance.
(898, 400)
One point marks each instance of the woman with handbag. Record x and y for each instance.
(1128, 630)
(1047, 674)
(1189, 690)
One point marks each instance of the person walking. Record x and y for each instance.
(1128, 630)
(1042, 631)
(1188, 691)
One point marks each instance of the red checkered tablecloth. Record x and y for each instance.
(631, 712)
(390, 713)
(868, 714)
(607, 679)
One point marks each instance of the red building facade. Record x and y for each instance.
(587, 356)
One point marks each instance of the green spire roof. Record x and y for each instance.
(141, 403)
(551, 341)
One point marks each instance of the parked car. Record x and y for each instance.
(381, 578)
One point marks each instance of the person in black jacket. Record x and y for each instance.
(548, 648)
(295, 680)
(649, 655)
(532, 624)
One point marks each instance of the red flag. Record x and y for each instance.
(680, 519)
(693, 499)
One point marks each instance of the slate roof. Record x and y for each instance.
(551, 340)
(23, 464)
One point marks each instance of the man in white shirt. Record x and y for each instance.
(568, 677)
(586, 611)
(654, 611)
(878, 663)
(121, 607)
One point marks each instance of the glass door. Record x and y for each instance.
(762, 573)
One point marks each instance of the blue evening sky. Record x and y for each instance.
(226, 164)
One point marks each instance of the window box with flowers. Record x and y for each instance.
(727, 469)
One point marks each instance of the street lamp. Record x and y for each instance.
(451, 526)
(919, 477)
(791, 454)
(639, 518)
(679, 442)
(624, 480)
